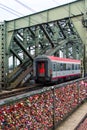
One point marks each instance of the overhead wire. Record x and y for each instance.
(10, 9)
(29, 8)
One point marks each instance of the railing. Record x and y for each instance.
(43, 109)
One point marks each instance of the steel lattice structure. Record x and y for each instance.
(48, 32)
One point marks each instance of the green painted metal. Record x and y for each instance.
(36, 40)
(17, 56)
(2, 56)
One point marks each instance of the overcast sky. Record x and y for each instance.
(11, 9)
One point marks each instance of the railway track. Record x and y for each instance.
(9, 93)
(21, 90)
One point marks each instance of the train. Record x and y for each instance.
(52, 69)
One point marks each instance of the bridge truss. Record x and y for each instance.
(60, 31)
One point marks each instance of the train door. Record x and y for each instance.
(41, 69)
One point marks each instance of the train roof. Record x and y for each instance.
(63, 59)
(53, 58)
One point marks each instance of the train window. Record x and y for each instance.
(61, 66)
(68, 67)
(78, 67)
(64, 66)
(54, 67)
(72, 66)
(58, 67)
(75, 66)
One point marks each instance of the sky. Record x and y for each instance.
(11, 9)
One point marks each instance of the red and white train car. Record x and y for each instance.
(48, 69)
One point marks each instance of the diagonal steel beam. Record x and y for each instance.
(52, 51)
(61, 29)
(47, 35)
(32, 32)
(17, 56)
(49, 28)
(19, 42)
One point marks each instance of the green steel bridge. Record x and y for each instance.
(59, 31)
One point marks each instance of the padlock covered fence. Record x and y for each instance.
(42, 109)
